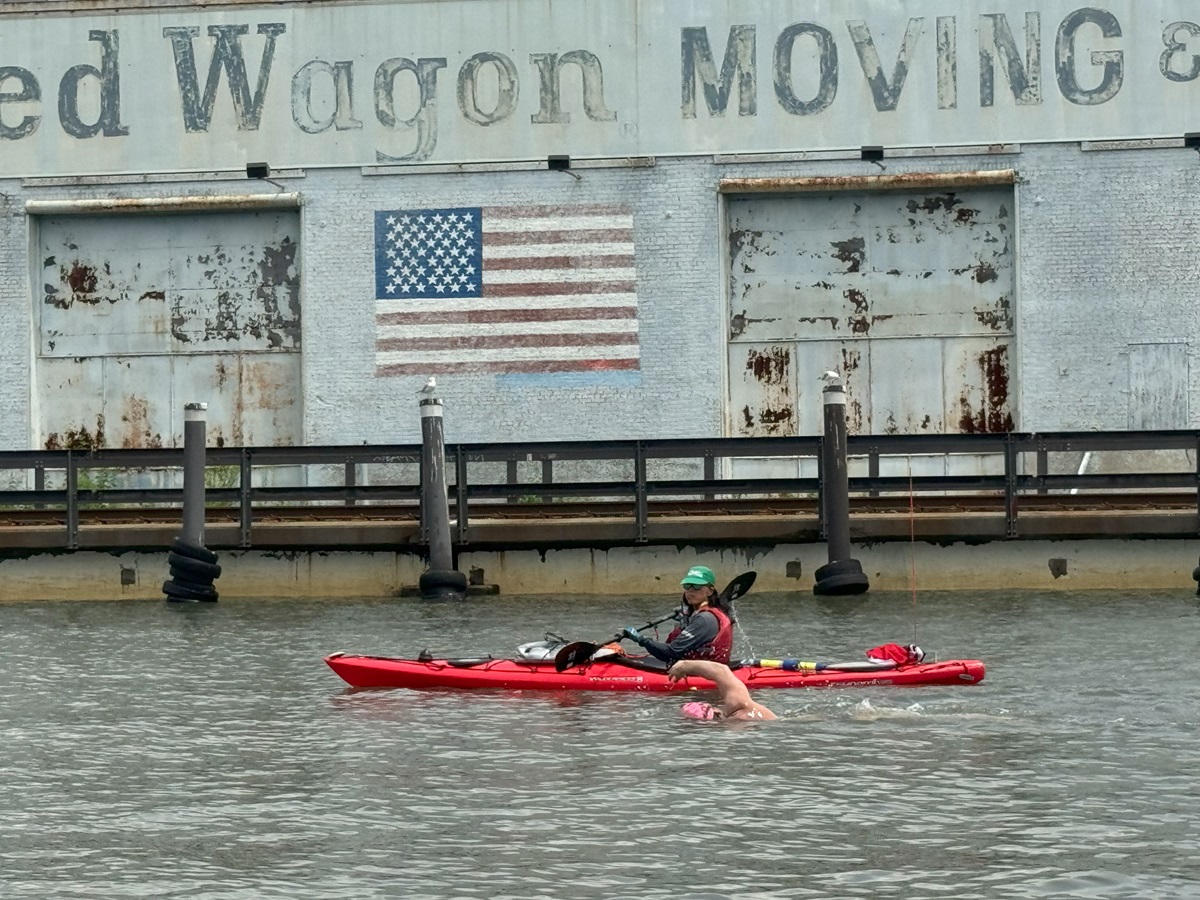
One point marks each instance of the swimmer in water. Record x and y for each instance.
(734, 701)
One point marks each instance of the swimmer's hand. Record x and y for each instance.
(678, 671)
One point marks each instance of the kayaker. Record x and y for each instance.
(705, 629)
(735, 702)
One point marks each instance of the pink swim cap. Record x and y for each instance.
(698, 710)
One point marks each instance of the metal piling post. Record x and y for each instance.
(843, 574)
(193, 566)
(440, 581)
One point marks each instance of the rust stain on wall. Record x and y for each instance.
(993, 417)
(136, 431)
(78, 438)
(854, 416)
(774, 418)
(775, 413)
(81, 278)
(851, 362)
(770, 367)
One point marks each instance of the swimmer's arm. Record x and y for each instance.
(734, 694)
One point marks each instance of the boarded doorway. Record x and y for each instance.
(138, 314)
(907, 293)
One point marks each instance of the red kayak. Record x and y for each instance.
(628, 674)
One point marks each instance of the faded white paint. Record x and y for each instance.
(190, 88)
(1158, 386)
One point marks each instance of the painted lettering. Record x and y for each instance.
(227, 56)
(424, 120)
(30, 91)
(508, 88)
(1112, 61)
(996, 41)
(1176, 47)
(550, 87)
(947, 62)
(108, 121)
(885, 92)
(827, 63)
(341, 111)
(740, 62)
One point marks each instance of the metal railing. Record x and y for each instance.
(1024, 469)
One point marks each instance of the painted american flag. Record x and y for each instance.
(505, 289)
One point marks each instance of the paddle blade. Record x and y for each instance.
(738, 587)
(573, 655)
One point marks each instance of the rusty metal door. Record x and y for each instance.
(907, 293)
(140, 314)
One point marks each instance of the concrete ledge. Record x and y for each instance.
(1161, 564)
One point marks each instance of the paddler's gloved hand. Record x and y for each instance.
(632, 634)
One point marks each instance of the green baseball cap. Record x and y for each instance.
(699, 575)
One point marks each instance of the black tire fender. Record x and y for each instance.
(189, 591)
(197, 569)
(183, 548)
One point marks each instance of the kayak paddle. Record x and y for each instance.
(581, 651)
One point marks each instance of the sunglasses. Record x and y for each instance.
(695, 587)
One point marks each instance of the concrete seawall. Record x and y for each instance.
(1030, 564)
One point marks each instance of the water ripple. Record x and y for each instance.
(156, 751)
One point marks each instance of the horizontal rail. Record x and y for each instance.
(619, 477)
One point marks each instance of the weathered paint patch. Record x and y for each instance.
(920, 278)
(992, 415)
(136, 430)
(851, 251)
(771, 367)
(80, 438)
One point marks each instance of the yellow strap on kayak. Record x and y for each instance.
(791, 665)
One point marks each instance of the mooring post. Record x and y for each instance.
(440, 581)
(195, 434)
(193, 566)
(843, 574)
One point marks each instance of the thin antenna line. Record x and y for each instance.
(912, 549)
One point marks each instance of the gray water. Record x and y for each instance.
(153, 750)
